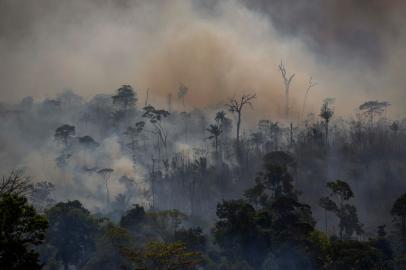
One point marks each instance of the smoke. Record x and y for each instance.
(218, 49)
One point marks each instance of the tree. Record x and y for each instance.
(215, 131)
(373, 108)
(398, 211)
(126, 98)
(286, 82)
(21, 228)
(112, 240)
(336, 202)
(326, 113)
(193, 238)
(133, 133)
(133, 218)
(220, 116)
(356, 255)
(16, 183)
(164, 256)
(224, 123)
(182, 92)
(72, 231)
(309, 86)
(165, 223)
(64, 134)
(105, 174)
(40, 195)
(155, 117)
(275, 180)
(238, 234)
(236, 106)
(88, 142)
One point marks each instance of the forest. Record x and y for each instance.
(126, 185)
(202, 135)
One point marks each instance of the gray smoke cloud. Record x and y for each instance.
(353, 49)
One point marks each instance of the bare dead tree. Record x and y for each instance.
(309, 86)
(237, 105)
(286, 81)
(16, 183)
(105, 174)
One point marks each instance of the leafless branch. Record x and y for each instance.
(16, 183)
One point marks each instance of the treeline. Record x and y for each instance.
(268, 228)
(130, 185)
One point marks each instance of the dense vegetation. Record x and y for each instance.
(125, 186)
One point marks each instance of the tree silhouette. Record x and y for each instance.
(336, 202)
(287, 80)
(156, 117)
(398, 211)
(215, 132)
(373, 108)
(236, 106)
(21, 228)
(309, 86)
(16, 183)
(64, 133)
(105, 174)
(133, 133)
(125, 98)
(72, 231)
(182, 92)
(326, 112)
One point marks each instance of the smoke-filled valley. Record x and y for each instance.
(205, 134)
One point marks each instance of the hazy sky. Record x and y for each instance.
(354, 49)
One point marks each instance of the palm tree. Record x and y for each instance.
(326, 113)
(220, 117)
(215, 131)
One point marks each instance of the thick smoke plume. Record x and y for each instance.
(218, 49)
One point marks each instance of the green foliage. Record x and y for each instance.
(399, 212)
(163, 256)
(193, 238)
(356, 255)
(340, 189)
(21, 228)
(133, 218)
(126, 97)
(336, 202)
(108, 254)
(164, 223)
(72, 232)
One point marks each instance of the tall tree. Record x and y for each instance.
(326, 112)
(337, 202)
(133, 133)
(287, 80)
(373, 108)
(72, 232)
(64, 134)
(105, 174)
(156, 118)
(182, 92)
(310, 85)
(21, 229)
(236, 105)
(126, 97)
(398, 211)
(164, 256)
(215, 131)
